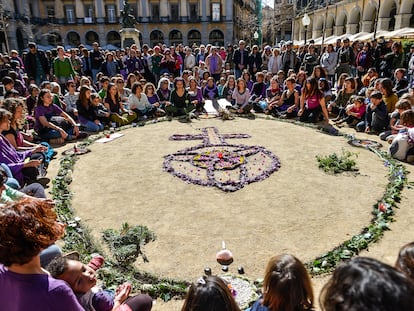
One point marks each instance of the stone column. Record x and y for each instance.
(184, 11)
(351, 28)
(204, 10)
(145, 13)
(228, 12)
(367, 26)
(383, 23)
(402, 20)
(164, 7)
(100, 12)
(338, 30)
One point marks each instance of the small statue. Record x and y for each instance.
(127, 19)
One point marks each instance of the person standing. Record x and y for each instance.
(214, 63)
(62, 68)
(96, 60)
(289, 58)
(36, 64)
(240, 59)
(255, 62)
(328, 61)
(345, 58)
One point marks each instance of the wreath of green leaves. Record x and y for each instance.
(78, 237)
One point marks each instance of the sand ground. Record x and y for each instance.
(299, 209)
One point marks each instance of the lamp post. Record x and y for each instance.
(306, 22)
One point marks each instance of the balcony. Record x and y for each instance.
(88, 20)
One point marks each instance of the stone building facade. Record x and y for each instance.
(52, 22)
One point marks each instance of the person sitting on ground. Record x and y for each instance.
(81, 278)
(389, 97)
(354, 112)
(241, 97)
(312, 103)
(196, 95)
(376, 116)
(100, 111)
(401, 84)
(273, 95)
(86, 111)
(154, 100)
(229, 88)
(395, 126)
(9, 194)
(286, 287)
(337, 107)
(366, 284)
(119, 114)
(70, 98)
(21, 140)
(138, 102)
(26, 228)
(290, 99)
(258, 93)
(210, 91)
(164, 92)
(52, 123)
(325, 87)
(180, 102)
(24, 165)
(401, 147)
(209, 293)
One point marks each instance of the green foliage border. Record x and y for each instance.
(79, 238)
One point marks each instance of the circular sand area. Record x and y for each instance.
(298, 209)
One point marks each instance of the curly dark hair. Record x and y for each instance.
(57, 266)
(366, 284)
(26, 228)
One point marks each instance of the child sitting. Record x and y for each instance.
(81, 278)
(402, 145)
(354, 112)
(395, 126)
(101, 112)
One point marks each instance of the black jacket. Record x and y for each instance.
(30, 63)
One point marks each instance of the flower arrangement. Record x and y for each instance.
(225, 166)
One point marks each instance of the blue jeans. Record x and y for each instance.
(91, 126)
(51, 134)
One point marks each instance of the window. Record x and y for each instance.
(88, 14)
(155, 12)
(215, 12)
(193, 12)
(70, 14)
(175, 12)
(50, 11)
(111, 13)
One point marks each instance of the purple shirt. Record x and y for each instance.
(47, 112)
(35, 292)
(13, 159)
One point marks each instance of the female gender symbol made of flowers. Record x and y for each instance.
(228, 167)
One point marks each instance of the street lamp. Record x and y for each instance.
(306, 21)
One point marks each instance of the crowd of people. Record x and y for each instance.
(58, 96)
(69, 93)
